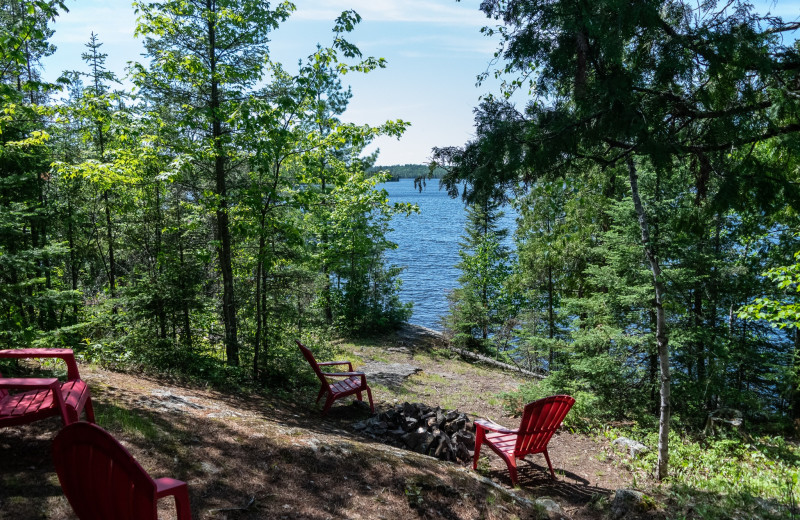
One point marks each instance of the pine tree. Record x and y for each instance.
(31, 298)
(480, 306)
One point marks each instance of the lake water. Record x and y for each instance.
(427, 246)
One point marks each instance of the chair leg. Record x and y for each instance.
(182, 505)
(328, 402)
(479, 435)
(511, 462)
(321, 393)
(89, 410)
(358, 396)
(547, 458)
(369, 396)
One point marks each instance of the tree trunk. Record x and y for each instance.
(265, 344)
(187, 323)
(161, 310)
(259, 290)
(326, 285)
(661, 326)
(223, 227)
(112, 277)
(700, 350)
(703, 169)
(259, 312)
(73, 261)
(652, 367)
(794, 391)
(551, 318)
(46, 266)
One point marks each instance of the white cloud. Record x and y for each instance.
(442, 12)
(435, 45)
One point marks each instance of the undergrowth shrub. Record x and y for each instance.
(729, 477)
(202, 363)
(586, 414)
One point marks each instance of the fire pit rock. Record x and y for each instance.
(444, 434)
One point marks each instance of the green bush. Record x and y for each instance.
(587, 412)
(729, 478)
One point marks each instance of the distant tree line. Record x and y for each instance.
(408, 171)
(202, 223)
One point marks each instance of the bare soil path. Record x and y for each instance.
(252, 457)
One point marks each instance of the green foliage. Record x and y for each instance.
(407, 171)
(209, 221)
(481, 305)
(588, 413)
(783, 313)
(413, 492)
(32, 297)
(364, 292)
(728, 476)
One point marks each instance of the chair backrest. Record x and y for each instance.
(540, 420)
(313, 362)
(100, 478)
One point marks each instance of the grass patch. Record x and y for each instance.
(436, 354)
(115, 417)
(454, 401)
(425, 378)
(728, 477)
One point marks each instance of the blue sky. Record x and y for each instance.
(434, 51)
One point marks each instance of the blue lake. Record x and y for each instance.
(427, 246)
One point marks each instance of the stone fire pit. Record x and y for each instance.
(447, 435)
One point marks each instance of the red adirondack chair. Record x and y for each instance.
(38, 398)
(102, 481)
(354, 382)
(540, 420)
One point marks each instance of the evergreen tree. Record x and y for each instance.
(97, 109)
(31, 299)
(480, 306)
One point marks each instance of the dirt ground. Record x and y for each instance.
(253, 457)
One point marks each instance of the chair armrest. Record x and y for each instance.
(494, 427)
(167, 486)
(176, 488)
(330, 363)
(33, 353)
(30, 382)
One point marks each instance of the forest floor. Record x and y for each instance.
(254, 457)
